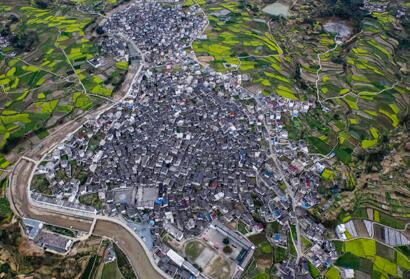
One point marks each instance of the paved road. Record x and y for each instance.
(298, 241)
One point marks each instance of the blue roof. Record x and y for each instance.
(277, 213)
(276, 237)
(268, 173)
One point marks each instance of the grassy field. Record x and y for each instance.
(40, 184)
(193, 249)
(90, 268)
(314, 272)
(111, 271)
(241, 227)
(123, 264)
(91, 200)
(332, 273)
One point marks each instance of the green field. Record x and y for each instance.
(123, 264)
(372, 96)
(332, 273)
(313, 270)
(50, 80)
(242, 227)
(40, 184)
(90, 268)
(371, 257)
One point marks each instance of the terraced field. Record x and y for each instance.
(238, 40)
(372, 258)
(384, 190)
(370, 89)
(52, 79)
(359, 84)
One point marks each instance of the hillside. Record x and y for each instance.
(55, 64)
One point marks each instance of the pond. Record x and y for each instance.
(340, 27)
(277, 9)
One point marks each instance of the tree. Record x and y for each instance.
(24, 40)
(347, 9)
(5, 268)
(4, 30)
(41, 4)
(197, 267)
(227, 249)
(13, 18)
(225, 241)
(99, 30)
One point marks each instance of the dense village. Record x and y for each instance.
(205, 139)
(188, 154)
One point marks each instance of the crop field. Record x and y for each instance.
(97, 5)
(52, 80)
(397, 207)
(365, 82)
(370, 257)
(265, 256)
(377, 96)
(361, 82)
(385, 199)
(239, 40)
(332, 273)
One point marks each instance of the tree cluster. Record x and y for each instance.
(24, 40)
